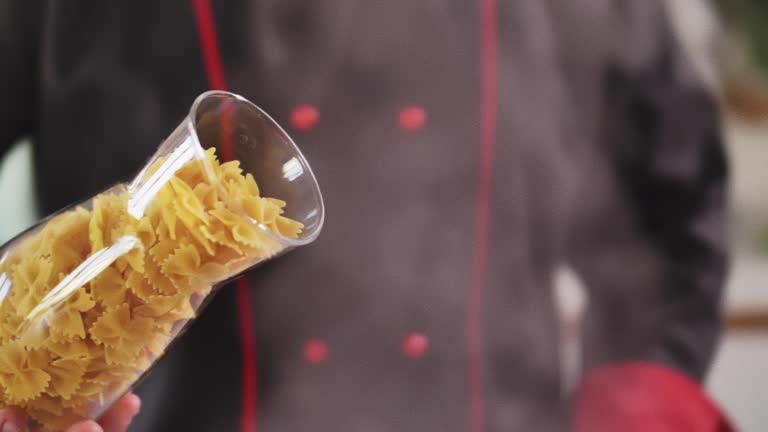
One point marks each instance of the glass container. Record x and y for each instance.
(92, 296)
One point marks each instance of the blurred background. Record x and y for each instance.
(728, 42)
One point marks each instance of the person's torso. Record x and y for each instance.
(445, 232)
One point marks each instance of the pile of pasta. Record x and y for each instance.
(89, 348)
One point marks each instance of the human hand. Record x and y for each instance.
(117, 419)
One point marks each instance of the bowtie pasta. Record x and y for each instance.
(66, 352)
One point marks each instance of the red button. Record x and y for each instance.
(305, 117)
(412, 118)
(315, 351)
(415, 345)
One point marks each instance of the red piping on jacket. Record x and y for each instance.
(488, 16)
(206, 28)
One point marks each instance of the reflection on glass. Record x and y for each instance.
(5, 286)
(292, 169)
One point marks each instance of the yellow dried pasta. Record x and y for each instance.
(70, 340)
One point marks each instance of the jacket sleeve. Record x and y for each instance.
(19, 75)
(650, 244)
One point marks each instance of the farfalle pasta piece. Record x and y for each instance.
(127, 352)
(66, 321)
(108, 213)
(206, 194)
(76, 349)
(160, 339)
(26, 384)
(113, 374)
(231, 171)
(188, 207)
(90, 391)
(139, 285)
(221, 236)
(133, 259)
(212, 271)
(121, 334)
(272, 210)
(227, 257)
(277, 203)
(81, 300)
(145, 232)
(288, 227)
(259, 209)
(167, 309)
(31, 278)
(116, 326)
(38, 358)
(35, 335)
(23, 250)
(213, 161)
(69, 238)
(224, 215)
(66, 325)
(249, 235)
(66, 375)
(193, 173)
(165, 199)
(203, 241)
(90, 317)
(49, 404)
(182, 264)
(98, 224)
(109, 287)
(162, 250)
(250, 187)
(21, 381)
(159, 283)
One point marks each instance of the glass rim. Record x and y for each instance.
(287, 241)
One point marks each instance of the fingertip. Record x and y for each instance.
(86, 426)
(119, 417)
(12, 420)
(134, 402)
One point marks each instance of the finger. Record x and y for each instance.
(12, 421)
(86, 426)
(119, 417)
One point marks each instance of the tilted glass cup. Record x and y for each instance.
(93, 295)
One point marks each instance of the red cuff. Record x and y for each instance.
(642, 397)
